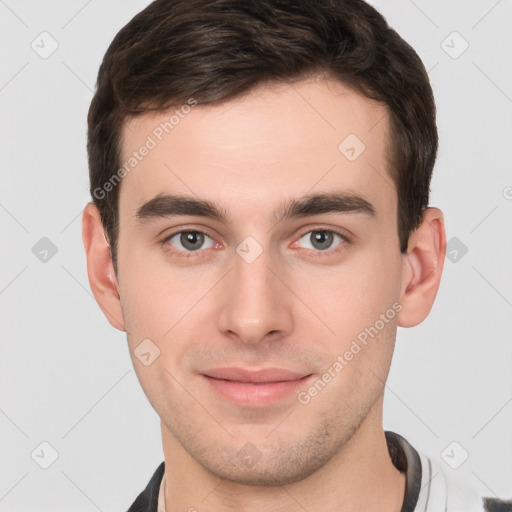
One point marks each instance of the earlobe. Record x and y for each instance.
(423, 266)
(100, 269)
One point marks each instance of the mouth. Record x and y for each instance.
(258, 388)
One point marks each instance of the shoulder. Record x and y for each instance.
(447, 492)
(429, 488)
(464, 498)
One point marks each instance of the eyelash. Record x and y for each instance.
(315, 253)
(328, 252)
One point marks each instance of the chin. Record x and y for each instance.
(265, 473)
(285, 461)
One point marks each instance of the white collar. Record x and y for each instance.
(161, 496)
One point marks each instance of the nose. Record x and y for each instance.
(255, 303)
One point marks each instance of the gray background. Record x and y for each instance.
(66, 376)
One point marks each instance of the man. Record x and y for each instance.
(260, 226)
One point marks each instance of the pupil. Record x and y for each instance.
(321, 239)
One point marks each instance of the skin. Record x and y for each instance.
(295, 307)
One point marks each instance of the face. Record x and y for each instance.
(272, 302)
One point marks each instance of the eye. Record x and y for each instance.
(322, 239)
(188, 241)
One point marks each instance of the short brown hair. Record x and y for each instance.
(214, 50)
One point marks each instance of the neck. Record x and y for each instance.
(360, 476)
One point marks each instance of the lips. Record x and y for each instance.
(255, 376)
(256, 388)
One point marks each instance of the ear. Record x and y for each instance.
(423, 266)
(100, 269)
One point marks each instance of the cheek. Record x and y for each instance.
(351, 297)
(150, 298)
(168, 305)
(147, 305)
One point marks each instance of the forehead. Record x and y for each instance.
(279, 140)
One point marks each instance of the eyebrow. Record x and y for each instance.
(169, 205)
